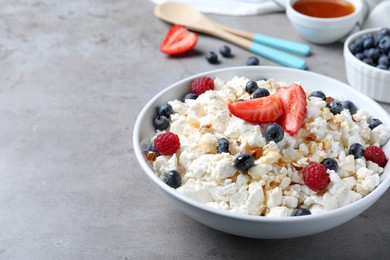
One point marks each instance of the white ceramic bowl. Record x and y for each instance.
(323, 30)
(256, 226)
(367, 79)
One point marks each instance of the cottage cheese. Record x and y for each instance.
(274, 186)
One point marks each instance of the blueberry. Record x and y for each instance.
(373, 122)
(190, 96)
(172, 178)
(369, 61)
(302, 212)
(252, 61)
(153, 149)
(318, 94)
(355, 48)
(372, 53)
(274, 132)
(368, 43)
(384, 61)
(223, 145)
(244, 162)
(211, 57)
(384, 31)
(251, 86)
(384, 44)
(360, 55)
(350, 106)
(239, 100)
(260, 92)
(225, 51)
(330, 164)
(382, 67)
(356, 150)
(336, 107)
(161, 122)
(165, 110)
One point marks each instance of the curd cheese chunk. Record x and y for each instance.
(271, 183)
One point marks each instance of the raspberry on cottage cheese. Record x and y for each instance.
(273, 185)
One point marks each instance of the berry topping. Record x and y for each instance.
(258, 110)
(165, 110)
(225, 51)
(302, 212)
(294, 105)
(252, 61)
(211, 57)
(373, 122)
(318, 94)
(384, 44)
(223, 145)
(161, 122)
(167, 143)
(336, 107)
(274, 132)
(260, 92)
(376, 155)
(330, 163)
(251, 86)
(178, 40)
(350, 106)
(201, 85)
(356, 150)
(190, 96)
(315, 176)
(244, 162)
(172, 178)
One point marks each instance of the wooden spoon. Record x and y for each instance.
(176, 13)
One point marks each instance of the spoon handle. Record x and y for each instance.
(262, 50)
(285, 45)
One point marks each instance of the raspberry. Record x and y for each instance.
(376, 155)
(167, 143)
(315, 176)
(201, 85)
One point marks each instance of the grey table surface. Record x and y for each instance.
(73, 77)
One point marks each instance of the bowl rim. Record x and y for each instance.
(372, 196)
(350, 57)
(358, 10)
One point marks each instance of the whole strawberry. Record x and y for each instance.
(201, 85)
(167, 143)
(376, 155)
(315, 176)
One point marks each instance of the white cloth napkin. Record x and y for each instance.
(376, 12)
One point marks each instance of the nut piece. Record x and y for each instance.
(151, 156)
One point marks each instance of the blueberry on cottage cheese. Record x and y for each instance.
(350, 106)
(336, 107)
(373, 122)
(244, 162)
(251, 86)
(318, 94)
(190, 96)
(165, 110)
(172, 178)
(302, 212)
(274, 132)
(223, 145)
(356, 150)
(161, 122)
(330, 164)
(260, 92)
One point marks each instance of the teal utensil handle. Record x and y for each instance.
(278, 56)
(290, 46)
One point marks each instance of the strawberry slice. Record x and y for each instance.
(259, 110)
(178, 40)
(294, 105)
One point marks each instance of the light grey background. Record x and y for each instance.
(73, 77)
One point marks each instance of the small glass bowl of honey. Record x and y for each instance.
(324, 21)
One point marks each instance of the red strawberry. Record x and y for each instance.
(294, 106)
(259, 110)
(178, 40)
(201, 85)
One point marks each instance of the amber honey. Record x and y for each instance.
(324, 8)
